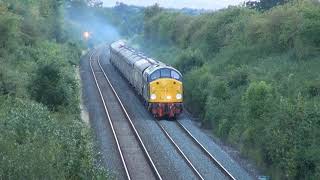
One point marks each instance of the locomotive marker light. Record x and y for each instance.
(178, 96)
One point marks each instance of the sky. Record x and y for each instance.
(196, 4)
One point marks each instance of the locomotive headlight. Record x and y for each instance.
(168, 97)
(86, 35)
(179, 96)
(153, 96)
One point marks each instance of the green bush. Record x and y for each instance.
(51, 87)
(313, 88)
(195, 89)
(35, 145)
(257, 99)
(188, 60)
(37, 63)
(238, 77)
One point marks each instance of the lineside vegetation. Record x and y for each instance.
(42, 135)
(251, 73)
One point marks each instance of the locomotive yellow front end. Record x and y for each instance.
(166, 94)
(166, 90)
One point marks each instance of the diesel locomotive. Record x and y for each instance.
(159, 85)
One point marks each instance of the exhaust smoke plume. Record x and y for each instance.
(89, 26)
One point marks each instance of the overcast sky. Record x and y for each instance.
(197, 4)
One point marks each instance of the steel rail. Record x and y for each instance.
(213, 159)
(180, 151)
(146, 153)
(109, 118)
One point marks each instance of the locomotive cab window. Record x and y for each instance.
(155, 75)
(175, 75)
(165, 73)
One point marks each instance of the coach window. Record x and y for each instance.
(155, 75)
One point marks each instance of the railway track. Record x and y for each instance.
(135, 158)
(205, 151)
(206, 155)
(197, 171)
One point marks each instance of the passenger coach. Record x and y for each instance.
(159, 84)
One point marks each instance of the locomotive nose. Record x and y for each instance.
(167, 90)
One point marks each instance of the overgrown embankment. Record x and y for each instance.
(252, 76)
(42, 135)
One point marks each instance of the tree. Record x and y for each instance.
(265, 4)
(152, 11)
(9, 29)
(95, 3)
(51, 87)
